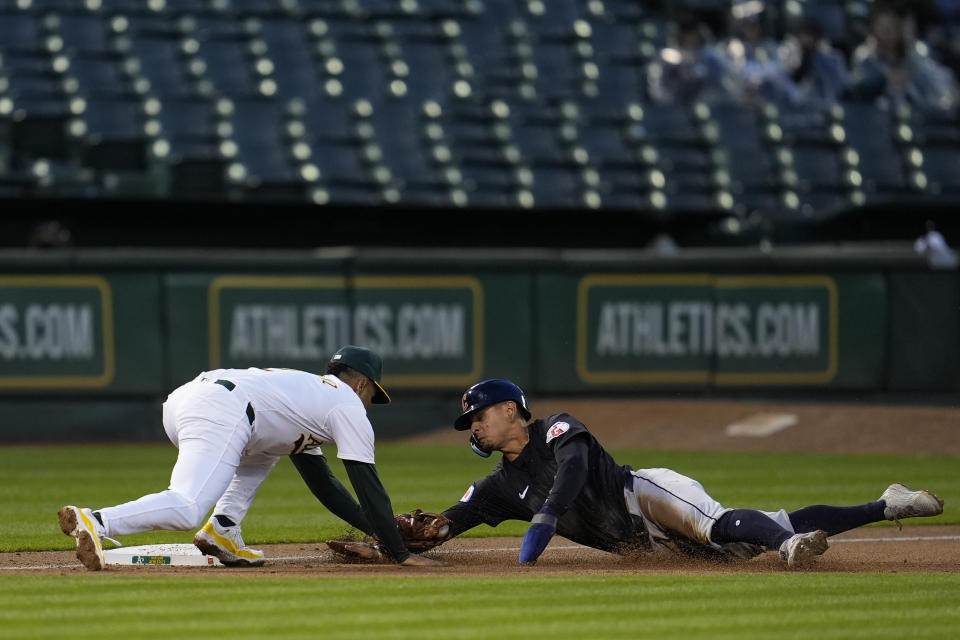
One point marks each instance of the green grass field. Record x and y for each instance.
(36, 481)
(732, 606)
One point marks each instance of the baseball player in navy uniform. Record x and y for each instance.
(231, 426)
(557, 476)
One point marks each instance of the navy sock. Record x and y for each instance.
(96, 514)
(748, 525)
(836, 520)
(225, 521)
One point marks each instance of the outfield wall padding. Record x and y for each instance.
(127, 327)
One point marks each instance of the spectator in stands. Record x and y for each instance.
(937, 24)
(691, 67)
(943, 33)
(933, 246)
(752, 51)
(50, 234)
(750, 39)
(890, 64)
(815, 73)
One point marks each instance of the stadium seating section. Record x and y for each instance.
(432, 103)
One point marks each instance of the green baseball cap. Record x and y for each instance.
(366, 362)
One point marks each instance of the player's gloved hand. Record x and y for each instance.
(543, 526)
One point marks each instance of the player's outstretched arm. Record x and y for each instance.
(571, 475)
(376, 506)
(464, 516)
(330, 491)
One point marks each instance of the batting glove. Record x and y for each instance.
(543, 526)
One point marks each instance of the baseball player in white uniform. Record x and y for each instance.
(231, 426)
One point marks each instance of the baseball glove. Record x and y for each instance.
(423, 530)
(357, 551)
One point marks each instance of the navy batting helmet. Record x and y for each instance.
(488, 392)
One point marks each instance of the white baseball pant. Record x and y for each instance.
(669, 501)
(209, 425)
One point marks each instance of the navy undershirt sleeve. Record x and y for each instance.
(464, 515)
(572, 458)
(376, 506)
(330, 491)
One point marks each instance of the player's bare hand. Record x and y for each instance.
(420, 561)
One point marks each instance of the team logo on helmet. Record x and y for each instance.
(464, 402)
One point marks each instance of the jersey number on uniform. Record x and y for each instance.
(305, 443)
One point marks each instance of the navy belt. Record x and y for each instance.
(226, 384)
(229, 386)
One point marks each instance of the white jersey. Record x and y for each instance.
(298, 412)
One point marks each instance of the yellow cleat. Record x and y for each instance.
(81, 524)
(226, 544)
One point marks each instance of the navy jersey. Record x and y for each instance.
(597, 517)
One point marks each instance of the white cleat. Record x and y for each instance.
(901, 502)
(226, 544)
(801, 549)
(82, 525)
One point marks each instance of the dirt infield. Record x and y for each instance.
(688, 425)
(865, 550)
